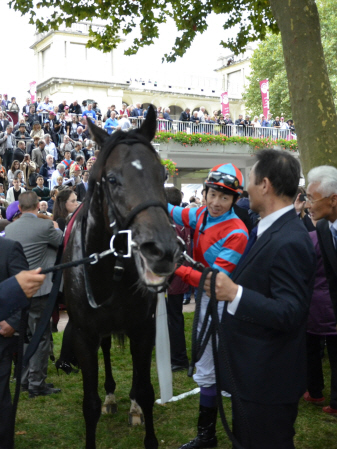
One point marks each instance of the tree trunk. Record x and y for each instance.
(311, 98)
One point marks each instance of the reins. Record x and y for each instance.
(220, 350)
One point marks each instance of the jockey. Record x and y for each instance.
(219, 240)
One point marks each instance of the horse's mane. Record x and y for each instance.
(118, 137)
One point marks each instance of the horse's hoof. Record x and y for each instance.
(136, 419)
(110, 406)
(109, 409)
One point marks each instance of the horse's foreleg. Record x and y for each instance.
(142, 391)
(110, 405)
(86, 348)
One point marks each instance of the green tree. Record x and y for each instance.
(298, 21)
(268, 62)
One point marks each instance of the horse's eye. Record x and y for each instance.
(112, 180)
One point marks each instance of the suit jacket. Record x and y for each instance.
(12, 261)
(266, 338)
(40, 241)
(80, 192)
(329, 255)
(5, 123)
(184, 117)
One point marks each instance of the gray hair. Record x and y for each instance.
(60, 166)
(326, 176)
(46, 135)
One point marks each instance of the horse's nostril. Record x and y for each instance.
(151, 250)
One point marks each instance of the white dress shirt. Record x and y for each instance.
(264, 224)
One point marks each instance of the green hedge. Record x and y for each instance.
(209, 139)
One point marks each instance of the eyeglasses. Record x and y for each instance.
(310, 201)
(228, 180)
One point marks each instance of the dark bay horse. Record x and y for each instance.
(126, 192)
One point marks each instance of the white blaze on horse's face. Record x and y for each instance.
(137, 164)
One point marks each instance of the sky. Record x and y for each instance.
(18, 36)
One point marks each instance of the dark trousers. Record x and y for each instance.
(315, 371)
(5, 397)
(176, 329)
(270, 426)
(34, 375)
(7, 159)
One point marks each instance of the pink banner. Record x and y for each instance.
(32, 90)
(224, 100)
(264, 87)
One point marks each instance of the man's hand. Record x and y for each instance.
(56, 226)
(6, 330)
(30, 281)
(225, 289)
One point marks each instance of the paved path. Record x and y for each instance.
(64, 316)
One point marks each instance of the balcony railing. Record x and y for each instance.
(176, 126)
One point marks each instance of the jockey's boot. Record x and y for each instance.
(206, 437)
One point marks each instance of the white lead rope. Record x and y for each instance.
(163, 352)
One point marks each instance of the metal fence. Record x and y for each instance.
(214, 129)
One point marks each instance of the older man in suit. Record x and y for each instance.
(40, 240)
(322, 204)
(268, 299)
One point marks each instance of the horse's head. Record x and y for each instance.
(128, 179)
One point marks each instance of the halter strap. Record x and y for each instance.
(139, 208)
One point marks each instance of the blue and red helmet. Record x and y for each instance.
(225, 177)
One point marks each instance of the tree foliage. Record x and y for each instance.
(252, 20)
(268, 62)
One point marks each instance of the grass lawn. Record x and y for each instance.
(56, 421)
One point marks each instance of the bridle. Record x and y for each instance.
(122, 246)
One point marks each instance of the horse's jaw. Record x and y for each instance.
(147, 276)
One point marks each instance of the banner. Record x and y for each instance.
(264, 87)
(224, 100)
(32, 90)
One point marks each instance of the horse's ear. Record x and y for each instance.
(98, 134)
(149, 127)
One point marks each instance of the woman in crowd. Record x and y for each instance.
(20, 176)
(65, 204)
(15, 166)
(73, 125)
(219, 240)
(321, 328)
(3, 175)
(37, 131)
(63, 127)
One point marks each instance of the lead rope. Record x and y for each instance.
(219, 346)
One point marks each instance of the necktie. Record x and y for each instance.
(334, 236)
(251, 241)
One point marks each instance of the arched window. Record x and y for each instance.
(175, 112)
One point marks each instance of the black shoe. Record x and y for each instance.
(186, 301)
(44, 391)
(206, 437)
(24, 388)
(175, 368)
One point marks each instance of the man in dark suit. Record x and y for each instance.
(12, 262)
(322, 204)
(3, 122)
(82, 187)
(40, 240)
(268, 299)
